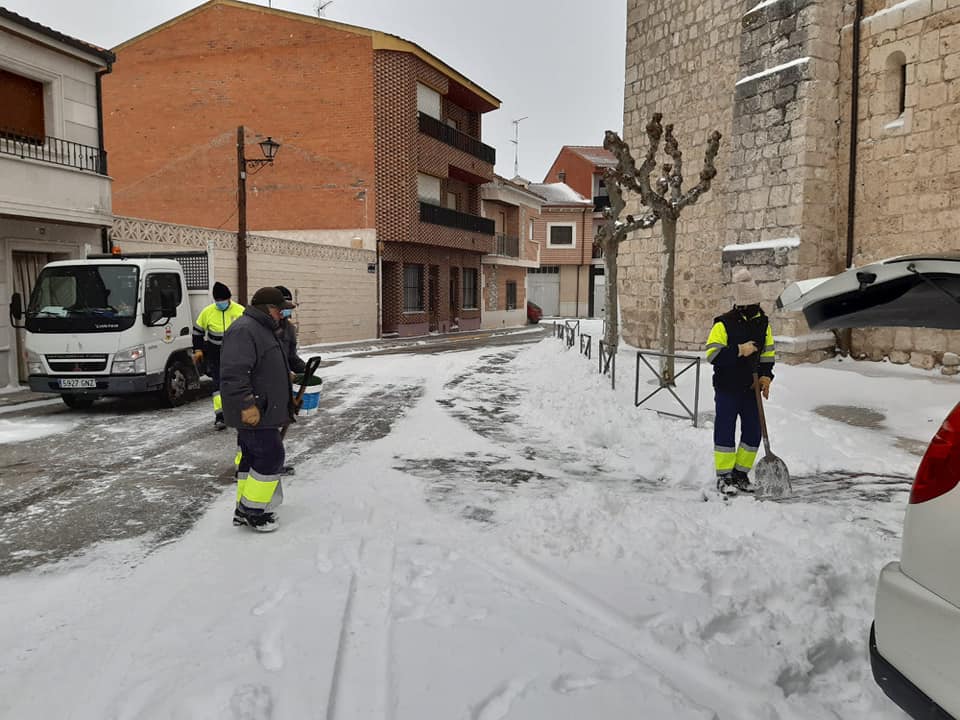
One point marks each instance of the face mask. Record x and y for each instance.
(222, 305)
(287, 312)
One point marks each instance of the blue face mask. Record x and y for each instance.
(287, 312)
(222, 305)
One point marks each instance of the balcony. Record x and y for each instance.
(507, 246)
(451, 218)
(459, 140)
(54, 150)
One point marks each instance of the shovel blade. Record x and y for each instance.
(771, 474)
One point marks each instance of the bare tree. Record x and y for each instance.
(665, 201)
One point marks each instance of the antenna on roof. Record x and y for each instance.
(321, 6)
(516, 143)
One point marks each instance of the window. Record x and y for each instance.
(531, 229)
(561, 235)
(470, 288)
(896, 84)
(428, 101)
(21, 107)
(544, 270)
(413, 288)
(157, 284)
(453, 201)
(428, 188)
(511, 295)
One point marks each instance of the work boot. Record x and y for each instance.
(218, 422)
(742, 481)
(288, 470)
(726, 485)
(261, 522)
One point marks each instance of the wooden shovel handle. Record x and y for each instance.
(763, 417)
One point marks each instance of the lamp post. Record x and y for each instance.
(269, 148)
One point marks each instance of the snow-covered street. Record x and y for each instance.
(485, 534)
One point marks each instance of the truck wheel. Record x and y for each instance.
(175, 384)
(78, 402)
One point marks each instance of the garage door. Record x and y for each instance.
(543, 288)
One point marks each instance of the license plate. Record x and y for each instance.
(78, 383)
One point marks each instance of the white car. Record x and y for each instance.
(915, 636)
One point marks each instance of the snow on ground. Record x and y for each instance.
(23, 429)
(523, 543)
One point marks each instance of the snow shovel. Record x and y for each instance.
(770, 471)
(312, 365)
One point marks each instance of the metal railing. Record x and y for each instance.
(608, 363)
(662, 384)
(586, 345)
(507, 246)
(454, 138)
(438, 215)
(54, 150)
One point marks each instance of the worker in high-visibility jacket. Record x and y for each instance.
(208, 330)
(740, 345)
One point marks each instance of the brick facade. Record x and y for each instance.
(775, 80)
(341, 100)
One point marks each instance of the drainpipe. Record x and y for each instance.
(846, 337)
(99, 76)
(854, 132)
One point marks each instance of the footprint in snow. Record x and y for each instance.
(497, 705)
(270, 650)
(275, 599)
(252, 702)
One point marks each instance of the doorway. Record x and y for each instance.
(433, 298)
(454, 298)
(26, 269)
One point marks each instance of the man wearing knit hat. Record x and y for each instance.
(740, 344)
(258, 401)
(208, 331)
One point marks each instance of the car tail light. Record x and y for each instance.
(939, 470)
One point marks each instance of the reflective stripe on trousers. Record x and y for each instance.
(727, 454)
(217, 402)
(258, 472)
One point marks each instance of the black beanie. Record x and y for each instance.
(221, 291)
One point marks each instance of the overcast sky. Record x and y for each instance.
(558, 62)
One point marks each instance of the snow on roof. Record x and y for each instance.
(595, 154)
(559, 194)
(784, 242)
(771, 71)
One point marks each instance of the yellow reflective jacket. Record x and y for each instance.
(730, 371)
(212, 323)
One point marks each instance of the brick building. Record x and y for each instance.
(777, 79)
(561, 285)
(515, 212)
(379, 150)
(582, 167)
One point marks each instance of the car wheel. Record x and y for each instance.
(78, 402)
(175, 384)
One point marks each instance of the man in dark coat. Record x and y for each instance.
(287, 333)
(258, 401)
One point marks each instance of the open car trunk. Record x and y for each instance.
(908, 291)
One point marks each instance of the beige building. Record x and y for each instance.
(515, 212)
(55, 194)
(777, 79)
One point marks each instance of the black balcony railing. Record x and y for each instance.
(451, 218)
(600, 202)
(507, 246)
(54, 150)
(454, 138)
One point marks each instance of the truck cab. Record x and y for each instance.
(114, 325)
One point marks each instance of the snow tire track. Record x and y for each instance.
(364, 645)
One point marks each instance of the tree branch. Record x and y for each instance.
(675, 175)
(707, 175)
(626, 171)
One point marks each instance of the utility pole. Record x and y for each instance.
(241, 218)
(516, 145)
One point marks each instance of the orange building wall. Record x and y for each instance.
(579, 172)
(175, 98)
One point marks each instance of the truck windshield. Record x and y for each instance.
(84, 298)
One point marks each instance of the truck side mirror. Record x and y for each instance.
(16, 306)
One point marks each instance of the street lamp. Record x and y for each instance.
(269, 147)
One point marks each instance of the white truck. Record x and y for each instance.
(114, 325)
